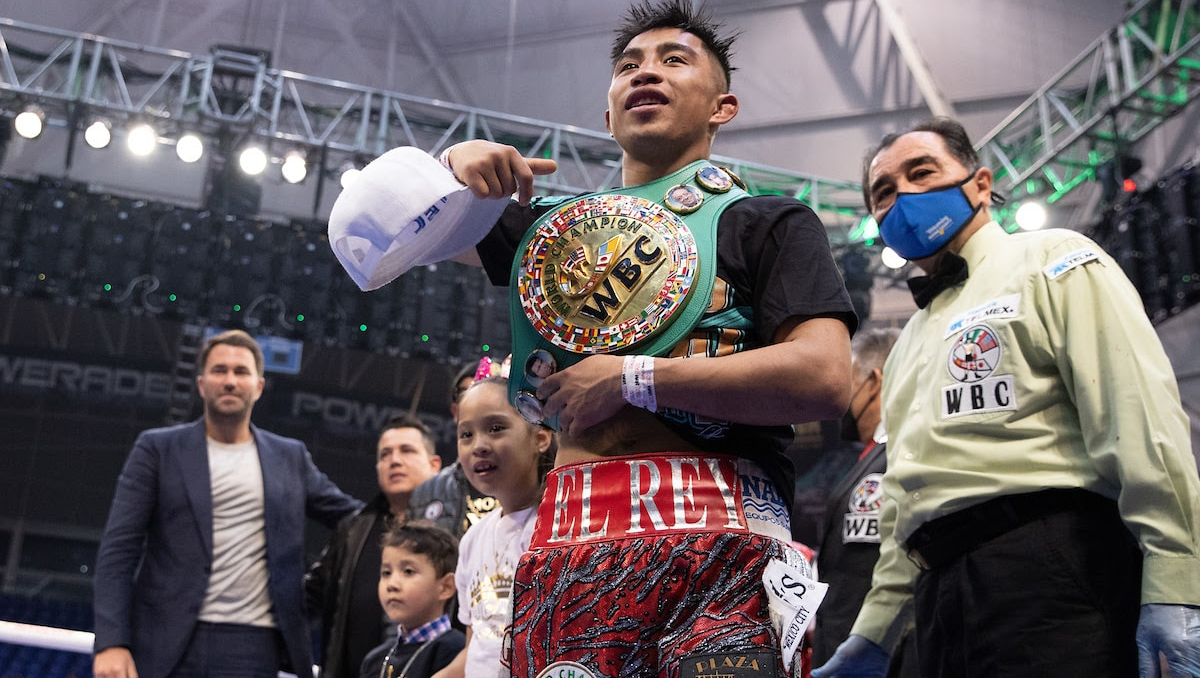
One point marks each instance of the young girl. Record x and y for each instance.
(504, 456)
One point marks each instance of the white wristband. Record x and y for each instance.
(629, 374)
(444, 158)
(637, 382)
(649, 399)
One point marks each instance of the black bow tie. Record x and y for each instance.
(951, 270)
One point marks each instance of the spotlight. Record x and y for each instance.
(349, 174)
(189, 148)
(1116, 176)
(98, 134)
(866, 231)
(252, 160)
(891, 259)
(141, 139)
(29, 122)
(1031, 216)
(294, 168)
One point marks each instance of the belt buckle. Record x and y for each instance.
(570, 266)
(918, 560)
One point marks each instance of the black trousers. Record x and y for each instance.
(231, 651)
(1056, 596)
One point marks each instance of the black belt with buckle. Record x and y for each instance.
(941, 540)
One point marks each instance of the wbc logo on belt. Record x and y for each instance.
(581, 271)
(605, 272)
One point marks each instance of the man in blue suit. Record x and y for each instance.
(201, 567)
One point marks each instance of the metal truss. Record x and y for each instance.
(72, 74)
(1130, 80)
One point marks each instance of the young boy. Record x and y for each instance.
(416, 581)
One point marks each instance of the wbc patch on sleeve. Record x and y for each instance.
(1069, 261)
(861, 524)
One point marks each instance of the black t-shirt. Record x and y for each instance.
(773, 263)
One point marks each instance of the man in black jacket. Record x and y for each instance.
(343, 584)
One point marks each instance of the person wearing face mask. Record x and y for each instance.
(850, 534)
(1041, 508)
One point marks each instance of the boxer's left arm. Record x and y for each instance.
(803, 376)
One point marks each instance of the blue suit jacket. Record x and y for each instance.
(156, 553)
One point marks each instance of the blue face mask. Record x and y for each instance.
(920, 224)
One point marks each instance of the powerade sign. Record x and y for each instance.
(341, 411)
(18, 372)
(337, 413)
(151, 389)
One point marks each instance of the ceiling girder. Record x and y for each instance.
(1134, 77)
(64, 70)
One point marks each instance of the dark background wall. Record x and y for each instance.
(101, 299)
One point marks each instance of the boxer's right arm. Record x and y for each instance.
(494, 170)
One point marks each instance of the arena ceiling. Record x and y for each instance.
(818, 80)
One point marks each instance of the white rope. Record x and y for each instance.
(62, 639)
(47, 636)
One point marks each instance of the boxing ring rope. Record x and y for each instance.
(46, 636)
(53, 638)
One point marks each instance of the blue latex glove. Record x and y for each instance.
(856, 657)
(1173, 630)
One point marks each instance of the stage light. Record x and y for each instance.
(98, 134)
(349, 175)
(141, 139)
(29, 122)
(866, 231)
(1031, 216)
(294, 168)
(891, 259)
(253, 160)
(1116, 176)
(189, 148)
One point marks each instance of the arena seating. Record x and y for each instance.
(23, 661)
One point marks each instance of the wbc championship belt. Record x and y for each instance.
(622, 271)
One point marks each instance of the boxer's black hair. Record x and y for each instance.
(645, 16)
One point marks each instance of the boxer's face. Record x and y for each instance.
(667, 87)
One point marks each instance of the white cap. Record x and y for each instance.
(405, 209)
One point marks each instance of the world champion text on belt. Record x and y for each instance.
(605, 272)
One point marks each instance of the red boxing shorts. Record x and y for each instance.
(651, 566)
